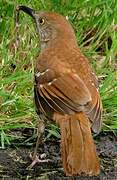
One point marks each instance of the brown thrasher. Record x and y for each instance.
(66, 90)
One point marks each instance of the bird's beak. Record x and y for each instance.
(27, 10)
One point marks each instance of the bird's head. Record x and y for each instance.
(50, 26)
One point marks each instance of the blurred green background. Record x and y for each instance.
(95, 25)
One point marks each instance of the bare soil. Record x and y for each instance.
(14, 161)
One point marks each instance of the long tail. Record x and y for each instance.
(78, 149)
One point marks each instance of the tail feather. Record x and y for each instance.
(78, 149)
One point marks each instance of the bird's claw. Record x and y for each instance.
(36, 160)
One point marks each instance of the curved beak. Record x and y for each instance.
(27, 10)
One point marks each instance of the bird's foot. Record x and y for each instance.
(35, 159)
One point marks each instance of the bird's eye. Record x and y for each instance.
(41, 21)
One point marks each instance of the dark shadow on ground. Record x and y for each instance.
(14, 161)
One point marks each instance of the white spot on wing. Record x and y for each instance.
(45, 72)
(38, 74)
(41, 86)
(50, 83)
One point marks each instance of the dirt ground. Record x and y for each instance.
(15, 160)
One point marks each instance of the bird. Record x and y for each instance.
(66, 91)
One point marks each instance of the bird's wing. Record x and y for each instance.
(66, 94)
(94, 111)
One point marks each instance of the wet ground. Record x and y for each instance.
(15, 160)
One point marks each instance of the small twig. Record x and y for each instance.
(17, 27)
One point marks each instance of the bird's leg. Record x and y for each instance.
(40, 131)
(35, 158)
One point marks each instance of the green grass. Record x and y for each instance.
(95, 24)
